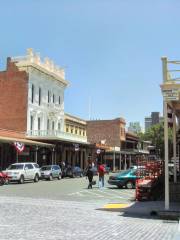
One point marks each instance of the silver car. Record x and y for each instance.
(51, 171)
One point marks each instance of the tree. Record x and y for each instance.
(155, 134)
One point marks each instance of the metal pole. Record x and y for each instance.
(114, 159)
(120, 161)
(174, 146)
(166, 157)
(130, 160)
(36, 154)
(53, 156)
(125, 164)
(166, 149)
(16, 156)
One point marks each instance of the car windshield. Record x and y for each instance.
(16, 167)
(46, 168)
(123, 173)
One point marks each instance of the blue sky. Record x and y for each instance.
(111, 49)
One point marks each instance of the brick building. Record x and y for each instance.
(112, 131)
(118, 147)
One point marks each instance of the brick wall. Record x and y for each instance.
(98, 130)
(13, 98)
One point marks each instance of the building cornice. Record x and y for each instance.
(47, 67)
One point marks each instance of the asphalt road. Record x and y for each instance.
(70, 190)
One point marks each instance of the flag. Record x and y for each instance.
(19, 146)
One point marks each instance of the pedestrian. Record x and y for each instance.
(101, 172)
(89, 174)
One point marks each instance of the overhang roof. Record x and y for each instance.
(25, 141)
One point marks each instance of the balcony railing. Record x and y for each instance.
(57, 134)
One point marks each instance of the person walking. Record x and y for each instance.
(89, 174)
(101, 172)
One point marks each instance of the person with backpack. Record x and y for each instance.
(89, 174)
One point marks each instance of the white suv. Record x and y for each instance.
(23, 171)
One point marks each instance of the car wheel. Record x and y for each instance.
(36, 178)
(21, 180)
(1, 181)
(129, 185)
(50, 178)
(59, 177)
(119, 186)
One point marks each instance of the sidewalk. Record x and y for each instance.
(153, 209)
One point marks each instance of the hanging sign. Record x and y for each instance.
(170, 94)
(76, 147)
(98, 151)
(19, 146)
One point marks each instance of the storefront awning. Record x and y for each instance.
(25, 141)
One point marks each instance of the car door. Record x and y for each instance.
(30, 171)
(57, 171)
(27, 173)
(54, 171)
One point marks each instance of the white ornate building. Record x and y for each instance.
(45, 104)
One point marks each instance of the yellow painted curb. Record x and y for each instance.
(116, 205)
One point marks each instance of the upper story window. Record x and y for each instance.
(31, 123)
(32, 93)
(59, 100)
(39, 96)
(53, 98)
(59, 125)
(48, 124)
(52, 125)
(39, 123)
(49, 96)
(67, 129)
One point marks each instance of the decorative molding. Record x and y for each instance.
(47, 66)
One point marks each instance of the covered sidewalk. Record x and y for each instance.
(171, 103)
(32, 149)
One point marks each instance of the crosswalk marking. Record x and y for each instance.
(103, 193)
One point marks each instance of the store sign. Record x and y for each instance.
(98, 151)
(170, 94)
(76, 147)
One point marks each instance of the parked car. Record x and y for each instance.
(51, 171)
(107, 169)
(20, 172)
(72, 172)
(95, 171)
(125, 178)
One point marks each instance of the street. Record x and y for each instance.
(66, 209)
(69, 189)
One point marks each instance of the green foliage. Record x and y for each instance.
(155, 134)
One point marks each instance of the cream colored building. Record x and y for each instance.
(75, 125)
